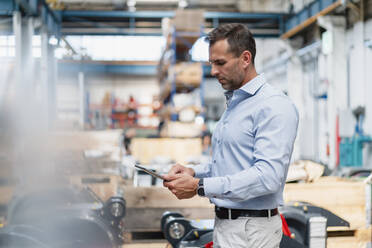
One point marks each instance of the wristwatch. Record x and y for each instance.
(200, 189)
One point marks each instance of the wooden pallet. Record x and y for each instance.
(145, 206)
(351, 200)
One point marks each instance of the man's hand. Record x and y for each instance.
(183, 186)
(180, 169)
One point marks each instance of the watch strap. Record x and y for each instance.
(200, 189)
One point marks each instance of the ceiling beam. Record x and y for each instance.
(74, 22)
(308, 15)
(36, 8)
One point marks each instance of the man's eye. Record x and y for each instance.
(220, 63)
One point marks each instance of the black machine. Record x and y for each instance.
(63, 218)
(304, 226)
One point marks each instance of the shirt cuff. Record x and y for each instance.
(214, 187)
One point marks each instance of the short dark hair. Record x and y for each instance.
(238, 36)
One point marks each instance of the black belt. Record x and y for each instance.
(228, 213)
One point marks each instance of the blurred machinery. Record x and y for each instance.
(63, 217)
(304, 226)
(351, 144)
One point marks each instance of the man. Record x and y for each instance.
(251, 148)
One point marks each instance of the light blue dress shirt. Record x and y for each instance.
(251, 148)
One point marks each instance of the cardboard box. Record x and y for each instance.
(188, 73)
(179, 150)
(189, 20)
(177, 129)
(348, 199)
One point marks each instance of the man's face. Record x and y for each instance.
(226, 67)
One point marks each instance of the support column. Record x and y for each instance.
(48, 66)
(28, 71)
(368, 76)
(52, 88)
(81, 100)
(368, 86)
(44, 74)
(23, 29)
(17, 30)
(336, 73)
(357, 66)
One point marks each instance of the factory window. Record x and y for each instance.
(7, 46)
(200, 50)
(118, 47)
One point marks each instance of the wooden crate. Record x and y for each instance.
(188, 73)
(105, 186)
(176, 129)
(188, 20)
(6, 193)
(145, 206)
(360, 239)
(177, 149)
(351, 200)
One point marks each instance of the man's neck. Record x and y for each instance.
(251, 73)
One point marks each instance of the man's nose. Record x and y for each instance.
(214, 71)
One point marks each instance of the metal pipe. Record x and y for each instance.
(348, 76)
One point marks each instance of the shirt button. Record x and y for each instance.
(214, 161)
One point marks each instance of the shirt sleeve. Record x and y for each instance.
(202, 170)
(275, 132)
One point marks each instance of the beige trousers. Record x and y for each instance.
(248, 232)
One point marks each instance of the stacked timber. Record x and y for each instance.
(146, 205)
(349, 199)
(177, 149)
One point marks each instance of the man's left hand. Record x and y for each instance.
(183, 186)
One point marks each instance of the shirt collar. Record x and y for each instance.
(251, 88)
(228, 94)
(254, 85)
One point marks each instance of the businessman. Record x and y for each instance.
(251, 148)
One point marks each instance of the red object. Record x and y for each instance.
(209, 245)
(338, 141)
(285, 227)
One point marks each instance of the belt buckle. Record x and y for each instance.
(229, 213)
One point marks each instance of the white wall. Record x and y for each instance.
(361, 77)
(368, 90)
(357, 51)
(368, 78)
(332, 77)
(271, 60)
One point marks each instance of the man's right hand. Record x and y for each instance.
(180, 169)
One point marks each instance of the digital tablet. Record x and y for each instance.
(149, 171)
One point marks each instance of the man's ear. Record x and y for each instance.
(247, 58)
